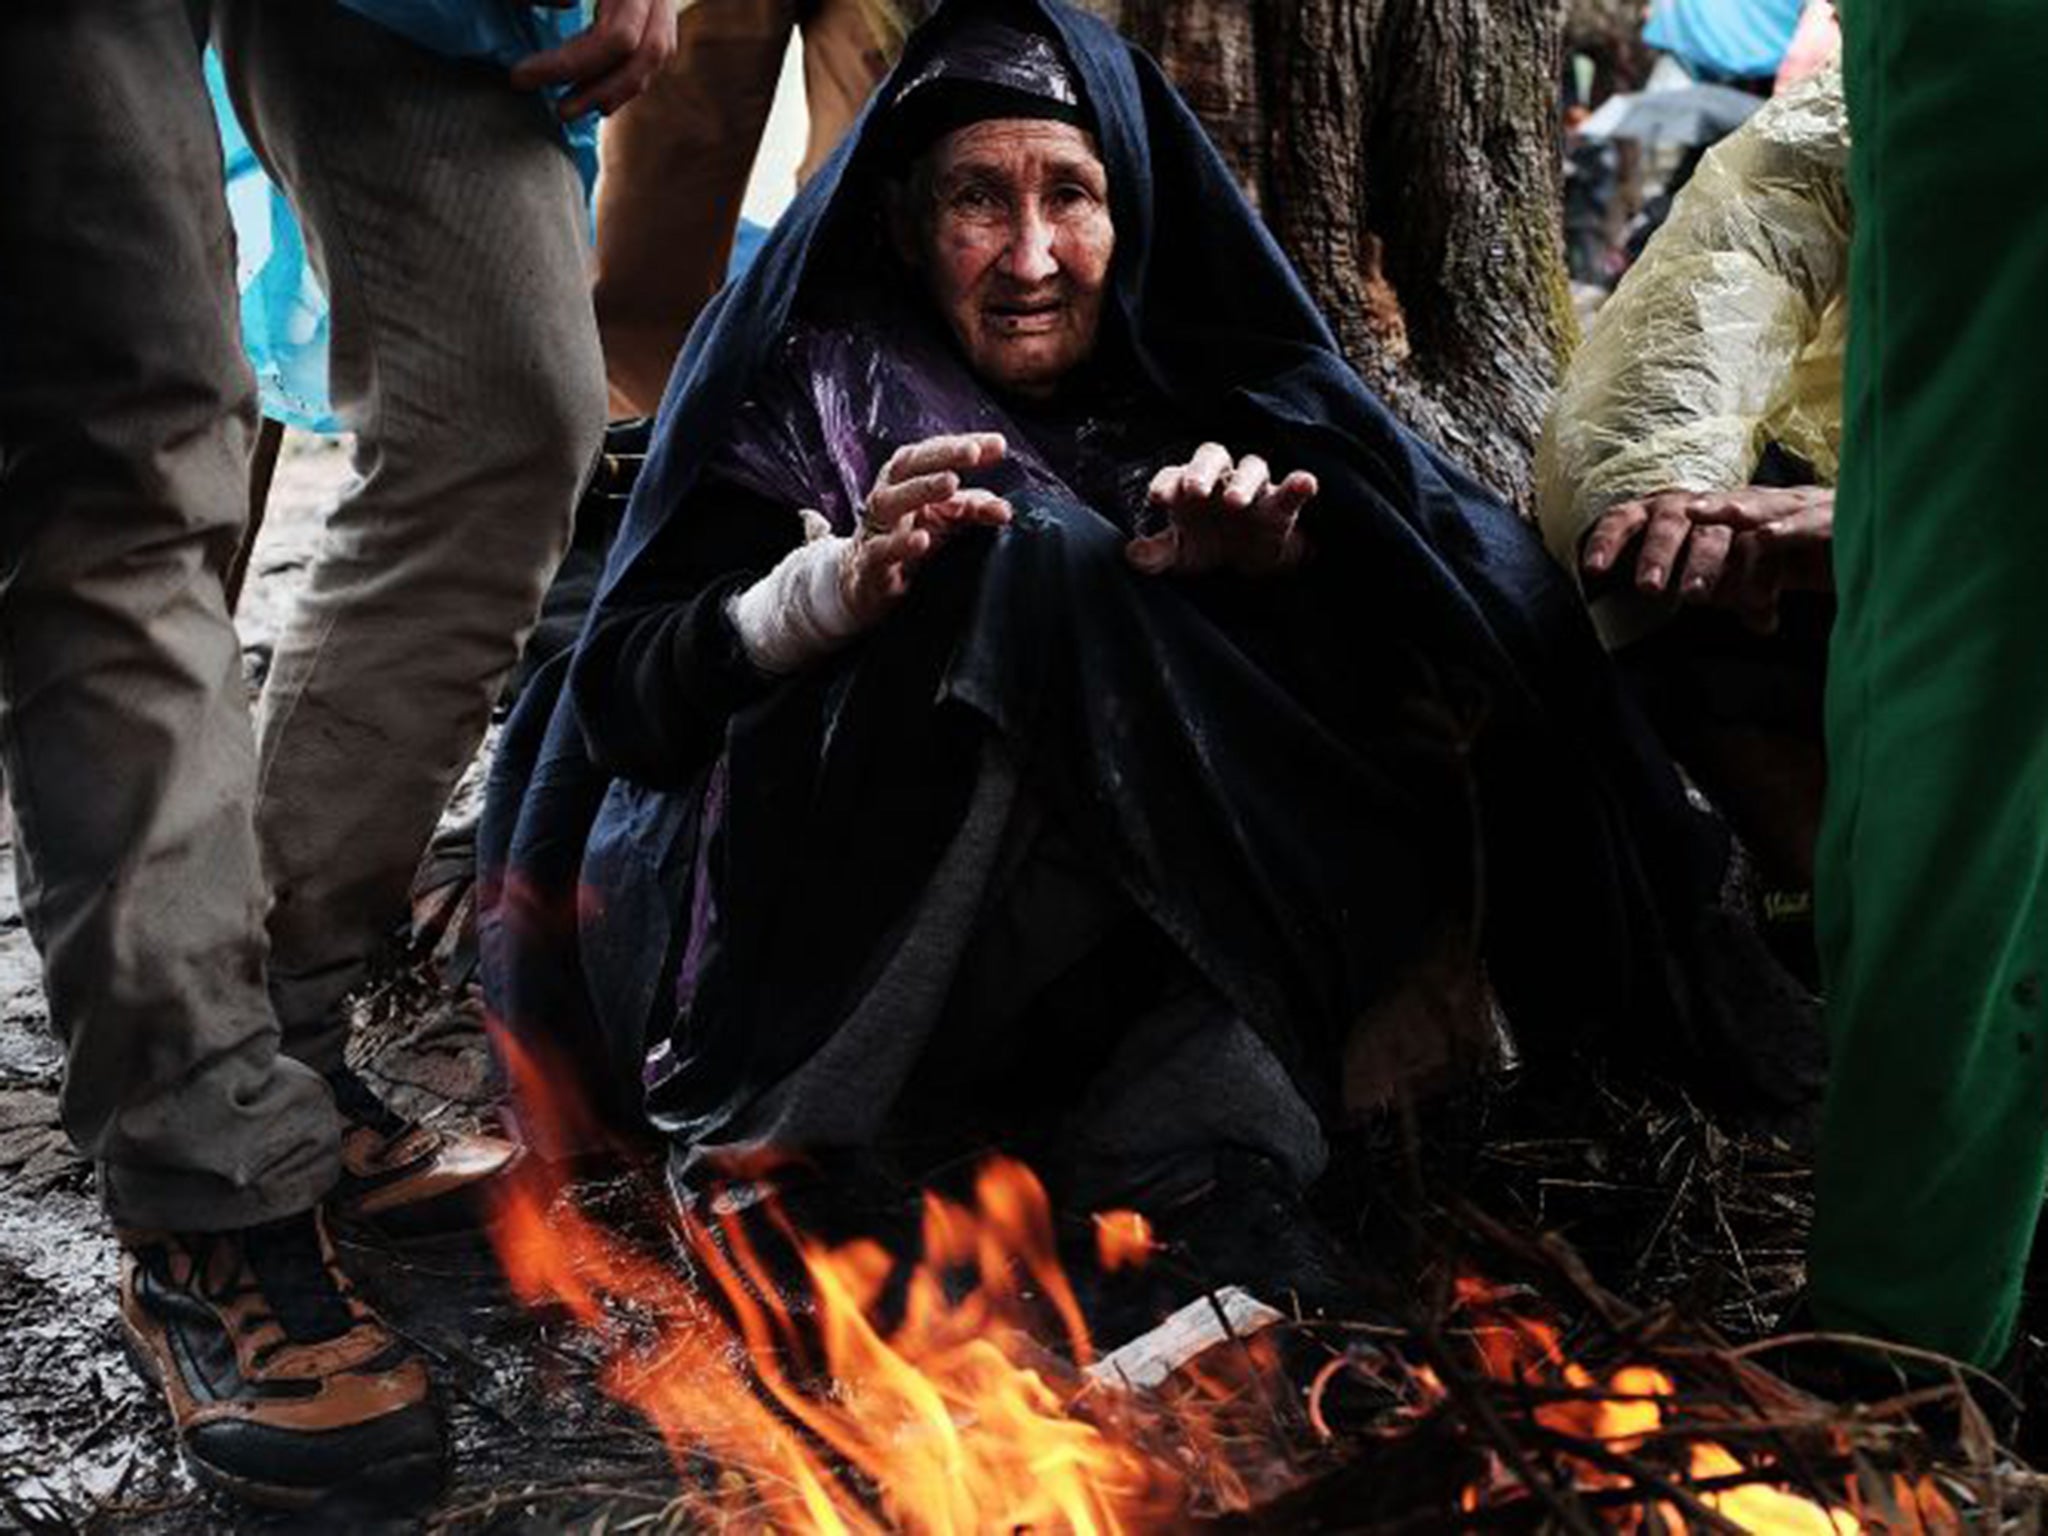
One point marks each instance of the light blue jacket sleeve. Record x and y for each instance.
(1725, 39)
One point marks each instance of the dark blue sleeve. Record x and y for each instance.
(661, 670)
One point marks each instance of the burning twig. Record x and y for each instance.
(1646, 1485)
(1471, 1400)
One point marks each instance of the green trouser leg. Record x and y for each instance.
(1933, 912)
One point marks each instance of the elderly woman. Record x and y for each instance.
(1041, 697)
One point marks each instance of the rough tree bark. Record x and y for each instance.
(1406, 154)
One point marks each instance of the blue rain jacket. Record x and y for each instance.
(1725, 39)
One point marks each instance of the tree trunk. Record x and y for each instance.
(1406, 155)
(1610, 33)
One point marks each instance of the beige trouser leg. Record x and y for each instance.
(125, 419)
(843, 63)
(448, 226)
(676, 163)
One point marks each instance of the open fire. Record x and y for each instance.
(950, 1417)
(834, 1392)
(1597, 1425)
(811, 1387)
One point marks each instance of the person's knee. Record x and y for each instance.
(478, 495)
(562, 415)
(528, 450)
(557, 456)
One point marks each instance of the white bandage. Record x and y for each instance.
(797, 612)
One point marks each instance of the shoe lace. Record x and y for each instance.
(285, 1265)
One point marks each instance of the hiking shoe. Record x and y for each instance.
(399, 1175)
(283, 1386)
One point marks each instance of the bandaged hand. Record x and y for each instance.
(1224, 514)
(797, 612)
(831, 587)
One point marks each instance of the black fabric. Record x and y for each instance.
(1589, 855)
(990, 69)
(1153, 721)
(664, 674)
(942, 108)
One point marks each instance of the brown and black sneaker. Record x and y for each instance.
(284, 1387)
(398, 1175)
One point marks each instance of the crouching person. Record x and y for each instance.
(1042, 699)
(1686, 476)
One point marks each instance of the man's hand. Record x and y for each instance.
(918, 502)
(1784, 542)
(1731, 549)
(610, 61)
(1224, 513)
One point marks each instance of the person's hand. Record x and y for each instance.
(1709, 547)
(1783, 542)
(609, 62)
(918, 503)
(1224, 513)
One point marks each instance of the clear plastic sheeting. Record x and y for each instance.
(1725, 337)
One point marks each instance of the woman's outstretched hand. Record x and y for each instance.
(1224, 514)
(918, 503)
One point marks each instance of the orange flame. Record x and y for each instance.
(1626, 1410)
(1123, 1240)
(953, 1419)
(957, 1420)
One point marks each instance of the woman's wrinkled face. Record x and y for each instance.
(1014, 242)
